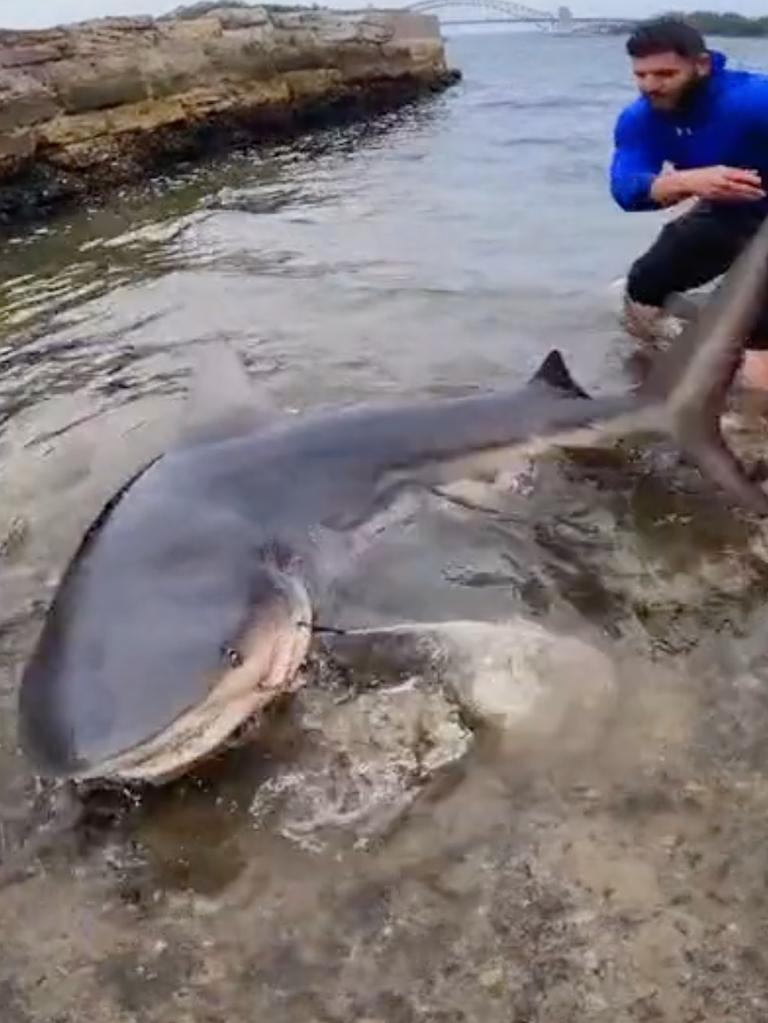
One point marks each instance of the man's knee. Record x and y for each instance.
(647, 283)
(689, 252)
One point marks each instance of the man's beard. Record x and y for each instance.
(684, 97)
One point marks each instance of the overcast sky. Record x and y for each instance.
(35, 13)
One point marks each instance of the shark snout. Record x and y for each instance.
(263, 662)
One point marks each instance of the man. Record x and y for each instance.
(698, 131)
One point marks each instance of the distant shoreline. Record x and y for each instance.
(710, 23)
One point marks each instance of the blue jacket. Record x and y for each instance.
(727, 123)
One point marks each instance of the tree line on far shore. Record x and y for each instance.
(710, 23)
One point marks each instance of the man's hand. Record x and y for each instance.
(724, 184)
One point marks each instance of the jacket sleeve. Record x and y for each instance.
(635, 164)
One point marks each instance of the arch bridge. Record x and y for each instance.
(490, 11)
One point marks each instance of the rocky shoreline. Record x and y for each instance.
(88, 107)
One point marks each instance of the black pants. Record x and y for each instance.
(694, 249)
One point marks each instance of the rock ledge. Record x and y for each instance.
(90, 106)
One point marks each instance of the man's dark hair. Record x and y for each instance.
(666, 35)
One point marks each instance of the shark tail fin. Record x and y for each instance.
(555, 373)
(691, 380)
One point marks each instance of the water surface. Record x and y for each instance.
(503, 839)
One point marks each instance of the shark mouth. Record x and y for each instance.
(234, 702)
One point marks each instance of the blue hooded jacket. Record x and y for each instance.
(726, 123)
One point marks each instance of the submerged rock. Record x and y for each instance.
(370, 759)
(536, 686)
(97, 104)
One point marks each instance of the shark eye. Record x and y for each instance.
(233, 657)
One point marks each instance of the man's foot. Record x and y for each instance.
(650, 324)
(655, 327)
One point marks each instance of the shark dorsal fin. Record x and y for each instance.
(222, 402)
(554, 373)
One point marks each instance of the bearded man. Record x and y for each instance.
(698, 131)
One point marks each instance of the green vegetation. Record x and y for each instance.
(710, 23)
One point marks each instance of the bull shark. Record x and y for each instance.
(189, 604)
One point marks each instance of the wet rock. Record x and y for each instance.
(24, 100)
(90, 106)
(370, 759)
(537, 684)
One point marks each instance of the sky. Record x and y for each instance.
(40, 13)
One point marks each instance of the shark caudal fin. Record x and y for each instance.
(692, 378)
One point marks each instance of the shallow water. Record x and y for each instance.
(454, 830)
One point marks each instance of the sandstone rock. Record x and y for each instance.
(15, 148)
(398, 59)
(95, 88)
(201, 103)
(120, 23)
(292, 20)
(27, 56)
(245, 55)
(71, 131)
(306, 86)
(195, 31)
(374, 32)
(176, 68)
(238, 17)
(110, 99)
(200, 10)
(81, 156)
(23, 101)
(336, 30)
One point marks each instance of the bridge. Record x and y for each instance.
(506, 12)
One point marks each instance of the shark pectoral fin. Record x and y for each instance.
(391, 503)
(222, 402)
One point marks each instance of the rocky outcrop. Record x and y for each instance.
(89, 106)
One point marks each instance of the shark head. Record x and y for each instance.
(197, 630)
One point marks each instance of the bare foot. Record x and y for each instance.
(652, 326)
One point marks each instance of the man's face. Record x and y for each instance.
(666, 79)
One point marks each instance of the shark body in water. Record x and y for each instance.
(189, 604)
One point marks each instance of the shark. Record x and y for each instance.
(190, 602)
